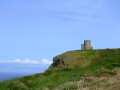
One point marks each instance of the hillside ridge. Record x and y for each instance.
(75, 70)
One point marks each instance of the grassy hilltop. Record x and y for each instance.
(75, 70)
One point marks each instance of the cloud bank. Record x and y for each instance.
(27, 61)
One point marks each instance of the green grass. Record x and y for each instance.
(80, 63)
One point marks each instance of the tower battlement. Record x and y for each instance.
(86, 45)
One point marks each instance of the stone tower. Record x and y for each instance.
(86, 45)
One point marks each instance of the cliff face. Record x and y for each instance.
(84, 58)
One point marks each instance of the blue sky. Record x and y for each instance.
(40, 29)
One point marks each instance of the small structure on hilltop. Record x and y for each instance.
(86, 45)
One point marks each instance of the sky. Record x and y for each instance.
(34, 31)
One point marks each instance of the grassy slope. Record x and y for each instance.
(79, 64)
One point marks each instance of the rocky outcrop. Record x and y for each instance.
(58, 62)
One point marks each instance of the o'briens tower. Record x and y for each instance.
(86, 45)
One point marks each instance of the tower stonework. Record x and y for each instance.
(86, 45)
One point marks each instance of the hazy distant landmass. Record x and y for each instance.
(8, 75)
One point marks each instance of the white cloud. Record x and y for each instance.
(27, 61)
